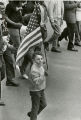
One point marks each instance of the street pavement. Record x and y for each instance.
(63, 92)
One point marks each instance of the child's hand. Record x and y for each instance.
(37, 80)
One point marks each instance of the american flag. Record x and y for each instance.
(33, 35)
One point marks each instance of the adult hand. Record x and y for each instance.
(18, 8)
(54, 24)
(19, 25)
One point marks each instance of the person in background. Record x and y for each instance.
(8, 60)
(44, 20)
(37, 86)
(70, 18)
(64, 35)
(6, 49)
(28, 7)
(13, 18)
(2, 73)
(65, 32)
(27, 12)
(55, 12)
(78, 22)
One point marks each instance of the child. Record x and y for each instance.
(37, 87)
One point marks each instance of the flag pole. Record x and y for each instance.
(1, 102)
(45, 56)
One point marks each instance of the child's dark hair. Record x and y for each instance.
(36, 53)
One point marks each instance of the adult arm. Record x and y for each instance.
(18, 25)
(62, 12)
(70, 4)
(62, 9)
(50, 11)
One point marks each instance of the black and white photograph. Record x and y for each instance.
(40, 60)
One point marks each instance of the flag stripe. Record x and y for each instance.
(27, 45)
(28, 36)
(33, 34)
(28, 42)
(28, 39)
(25, 51)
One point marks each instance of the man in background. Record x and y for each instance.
(14, 22)
(55, 12)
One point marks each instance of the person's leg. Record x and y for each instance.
(14, 39)
(3, 71)
(55, 36)
(10, 73)
(64, 34)
(26, 61)
(35, 98)
(46, 45)
(79, 28)
(51, 39)
(1, 102)
(71, 31)
(24, 64)
(43, 103)
(77, 36)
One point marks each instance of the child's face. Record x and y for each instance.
(38, 60)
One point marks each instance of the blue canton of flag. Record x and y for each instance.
(33, 35)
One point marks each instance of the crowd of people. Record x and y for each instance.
(15, 16)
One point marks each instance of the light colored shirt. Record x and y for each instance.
(37, 78)
(43, 15)
(78, 14)
(55, 10)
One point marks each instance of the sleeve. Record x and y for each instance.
(62, 9)
(50, 10)
(7, 12)
(68, 5)
(35, 77)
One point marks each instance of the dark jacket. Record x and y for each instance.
(27, 11)
(70, 11)
(13, 14)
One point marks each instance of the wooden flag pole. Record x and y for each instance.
(45, 56)
(1, 102)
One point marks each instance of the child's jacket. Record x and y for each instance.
(37, 78)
